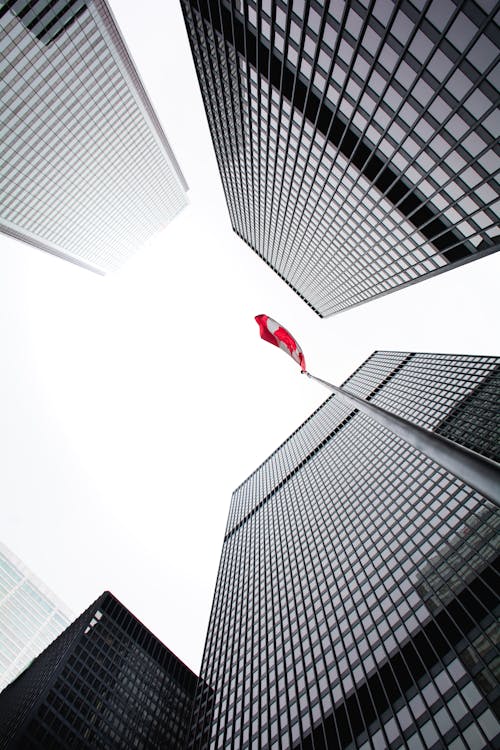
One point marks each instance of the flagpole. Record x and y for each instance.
(478, 472)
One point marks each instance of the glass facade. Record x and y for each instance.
(31, 616)
(86, 171)
(106, 682)
(356, 602)
(356, 140)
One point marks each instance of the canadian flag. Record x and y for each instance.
(271, 331)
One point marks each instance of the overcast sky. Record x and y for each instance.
(133, 404)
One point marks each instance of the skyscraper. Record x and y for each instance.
(357, 594)
(355, 139)
(105, 682)
(86, 171)
(31, 616)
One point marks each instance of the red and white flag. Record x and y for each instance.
(271, 331)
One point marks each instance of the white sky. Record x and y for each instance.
(134, 404)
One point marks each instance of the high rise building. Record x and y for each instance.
(31, 616)
(356, 602)
(106, 682)
(355, 139)
(86, 171)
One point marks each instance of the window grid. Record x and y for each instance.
(356, 597)
(353, 156)
(86, 168)
(105, 682)
(31, 616)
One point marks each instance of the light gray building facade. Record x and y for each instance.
(31, 616)
(86, 171)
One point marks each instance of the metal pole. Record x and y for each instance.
(478, 472)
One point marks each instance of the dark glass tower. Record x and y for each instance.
(105, 682)
(86, 171)
(355, 139)
(357, 594)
